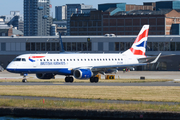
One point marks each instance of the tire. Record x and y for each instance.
(92, 79)
(24, 80)
(67, 79)
(71, 79)
(96, 79)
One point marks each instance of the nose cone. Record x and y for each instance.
(10, 67)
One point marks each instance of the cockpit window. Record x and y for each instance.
(17, 59)
(23, 59)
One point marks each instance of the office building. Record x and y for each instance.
(76, 9)
(37, 19)
(61, 12)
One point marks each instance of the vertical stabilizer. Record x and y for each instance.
(139, 46)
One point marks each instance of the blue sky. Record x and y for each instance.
(17, 5)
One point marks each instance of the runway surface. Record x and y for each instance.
(120, 74)
(92, 84)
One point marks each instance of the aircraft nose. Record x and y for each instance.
(10, 68)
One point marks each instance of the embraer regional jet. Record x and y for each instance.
(81, 66)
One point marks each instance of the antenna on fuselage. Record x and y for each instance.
(61, 43)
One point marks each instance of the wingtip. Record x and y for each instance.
(156, 59)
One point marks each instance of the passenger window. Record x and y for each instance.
(119, 59)
(122, 59)
(54, 60)
(77, 59)
(47, 59)
(91, 59)
(67, 59)
(112, 59)
(74, 60)
(115, 59)
(70, 59)
(97, 59)
(40, 59)
(106, 59)
(81, 59)
(100, 59)
(57, 59)
(64, 60)
(109, 59)
(60, 59)
(94, 59)
(50, 59)
(88, 59)
(44, 60)
(84, 59)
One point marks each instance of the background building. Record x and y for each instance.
(76, 9)
(15, 19)
(86, 24)
(124, 7)
(37, 19)
(6, 30)
(60, 13)
(61, 26)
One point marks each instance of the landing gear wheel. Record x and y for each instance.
(94, 79)
(24, 80)
(69, 79)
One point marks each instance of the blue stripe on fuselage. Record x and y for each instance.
(62, 71)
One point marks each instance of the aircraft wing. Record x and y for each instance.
(149, 58)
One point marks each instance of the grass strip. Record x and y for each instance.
(50, 104)
(132, 93)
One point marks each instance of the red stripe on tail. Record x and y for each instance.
(137, 52)
(139, 37)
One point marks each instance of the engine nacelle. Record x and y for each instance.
(44, 75)
(83, 74)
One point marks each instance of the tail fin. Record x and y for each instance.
(139, 46)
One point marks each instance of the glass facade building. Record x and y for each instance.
(37, 18)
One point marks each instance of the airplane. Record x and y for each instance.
(80, 65)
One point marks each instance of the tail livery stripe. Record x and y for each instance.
(137, 52)
(143, 35)
(139, 45)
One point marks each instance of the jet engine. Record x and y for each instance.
(83, 74)
(44, 75)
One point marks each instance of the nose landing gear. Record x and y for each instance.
(24, 80)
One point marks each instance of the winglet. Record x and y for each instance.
(61, 43)
(156, 59)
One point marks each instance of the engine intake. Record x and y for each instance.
(44, 75)
(83, 74)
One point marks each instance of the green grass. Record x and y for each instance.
(50, 104)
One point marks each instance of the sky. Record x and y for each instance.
(17, 5)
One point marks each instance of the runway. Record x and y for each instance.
(91, 84)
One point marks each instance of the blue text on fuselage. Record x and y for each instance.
(52, 63)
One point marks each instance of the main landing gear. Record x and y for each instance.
(69, 79)
(94, 79)
(24, 80)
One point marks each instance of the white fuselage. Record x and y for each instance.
(58, 63)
